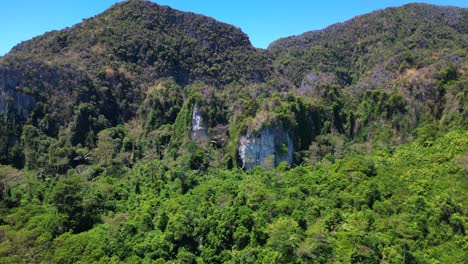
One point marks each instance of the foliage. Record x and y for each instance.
(406, 204)
(100, 165)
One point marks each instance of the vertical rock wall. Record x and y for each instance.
(10, 98)
(270, 145)
(199, 129)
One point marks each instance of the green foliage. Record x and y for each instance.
(36, 145)
(331, 145)
(111, 148)
(180, 130)
(9, 177)
(284, 237)
(10, 142)
(72, 198)
(162, 104)
(405, 204)
(85, 247)
(378, 104)
(111, 174)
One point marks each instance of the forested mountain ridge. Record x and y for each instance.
(150, 135)
(102, 69)
(390, 19)
(151, 42)
(122, 51)
(408, 52)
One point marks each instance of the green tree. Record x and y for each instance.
(284, 237)
(71, 197)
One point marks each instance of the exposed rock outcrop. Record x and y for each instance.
(270, 146)
(199, 129)
(11, 99)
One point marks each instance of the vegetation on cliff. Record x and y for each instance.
(98, 165)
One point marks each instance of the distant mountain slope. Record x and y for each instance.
(416, 51)
(383, 38)
(150, 41)
(394, 22)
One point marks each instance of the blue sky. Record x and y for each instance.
(263, 20)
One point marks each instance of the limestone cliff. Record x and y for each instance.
(270, 145)
(199, 129)
(10, 98)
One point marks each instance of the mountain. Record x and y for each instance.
(151, 42)
(108, 62)
(116, 55)
(150, 135)
(381, 39)
(415, 53)
(374, 78)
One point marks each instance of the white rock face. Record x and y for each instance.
(199, 129)
(269, 145)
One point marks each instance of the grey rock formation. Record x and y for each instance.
(270, 145)
(199, 129)
(10, 98)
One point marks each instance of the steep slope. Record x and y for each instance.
(374, 80)
(128, 47)
(411, 60)
(150, 42)
(96, 74)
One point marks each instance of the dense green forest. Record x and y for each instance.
(400, 205)
(150, 135)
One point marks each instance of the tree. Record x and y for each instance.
(110, 143)
(71, 197)
(284, 237)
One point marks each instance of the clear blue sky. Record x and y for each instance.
(263, 20)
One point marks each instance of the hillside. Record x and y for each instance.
(116, 55)
(391, 40)
(100, 70)
(412, 59)
(148, 42)
(151, 135)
